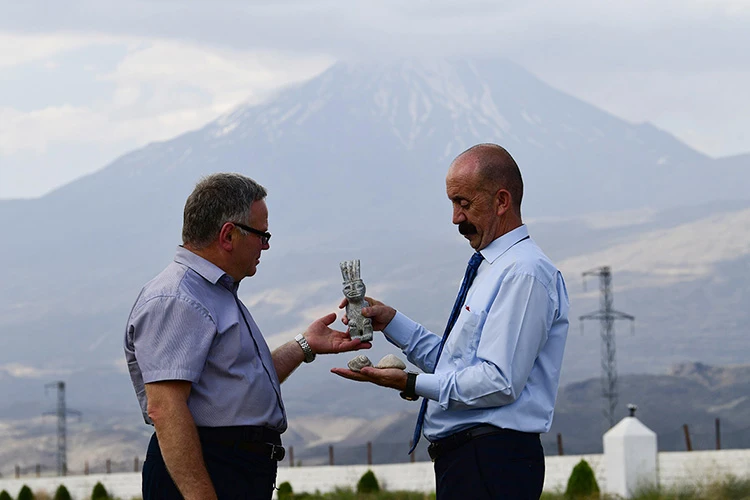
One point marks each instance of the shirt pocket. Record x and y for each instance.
(464, 339)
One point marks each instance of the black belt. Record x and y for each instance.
(450, 443)
(251, 438)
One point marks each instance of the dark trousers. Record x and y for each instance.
(496, 466)
(236, 474)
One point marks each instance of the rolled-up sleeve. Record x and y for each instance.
(171, 338)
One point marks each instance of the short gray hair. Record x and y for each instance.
(216, 199)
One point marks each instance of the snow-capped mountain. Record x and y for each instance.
(354, 161)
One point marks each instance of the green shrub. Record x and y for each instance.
(582, 482)
(62, 493)
(25, 493)
(368, 483)
(4, 495)
(285, 491)
(99, 492)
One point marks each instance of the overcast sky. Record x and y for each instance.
(83, 81)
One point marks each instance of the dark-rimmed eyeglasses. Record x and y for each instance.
(265, 236)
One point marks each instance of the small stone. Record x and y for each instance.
(359, 362)
(391, 361)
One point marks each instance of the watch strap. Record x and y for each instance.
(409, 393)
(306, 349)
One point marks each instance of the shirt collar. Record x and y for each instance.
(502, 244)
(207, 269)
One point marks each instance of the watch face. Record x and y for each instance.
(408, 398)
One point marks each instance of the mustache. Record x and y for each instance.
(466, 228)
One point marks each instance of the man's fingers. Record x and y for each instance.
(361, 345)
(371, 311)
(369, 371)
(351, 375)
(353, 345)
(343, 303)
(328, 318)
(373, 302)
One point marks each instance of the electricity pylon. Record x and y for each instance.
(607, 316)
(61, 412)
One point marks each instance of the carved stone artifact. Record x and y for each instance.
(356, 364)
(360, 327)
(391, 361)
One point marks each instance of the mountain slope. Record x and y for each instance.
(355, 162)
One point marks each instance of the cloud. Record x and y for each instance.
(18, 370)
(161, 88)
(157, 90)
(675, 63)
(23, 48)
(36, 129)
(645, 29)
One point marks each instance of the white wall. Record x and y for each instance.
(125, 486)
(674, 468)
(696, 467)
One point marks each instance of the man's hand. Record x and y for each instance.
(394, 378)
(379, 313)
(324, 340)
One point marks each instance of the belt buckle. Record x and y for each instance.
(275, 448)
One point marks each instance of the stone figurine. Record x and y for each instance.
(360, 327)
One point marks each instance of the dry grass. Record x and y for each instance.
(727, 488)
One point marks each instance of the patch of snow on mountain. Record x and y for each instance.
(535, 143)
(382, 98)
(727, 406)
(448, 150)
(489, 109)
(312, 108)
(667, 256)
(290, 113)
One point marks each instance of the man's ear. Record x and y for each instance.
(503, 201)
(227, 237)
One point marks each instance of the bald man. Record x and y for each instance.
(489, 382)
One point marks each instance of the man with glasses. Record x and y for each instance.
(203, 373)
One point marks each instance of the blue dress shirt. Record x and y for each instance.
(187, 325)
(501, 362)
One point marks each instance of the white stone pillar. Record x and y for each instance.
(630, 454)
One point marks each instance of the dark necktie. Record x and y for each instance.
(471, 273)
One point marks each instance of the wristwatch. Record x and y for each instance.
(411, 383)
(309, 354)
